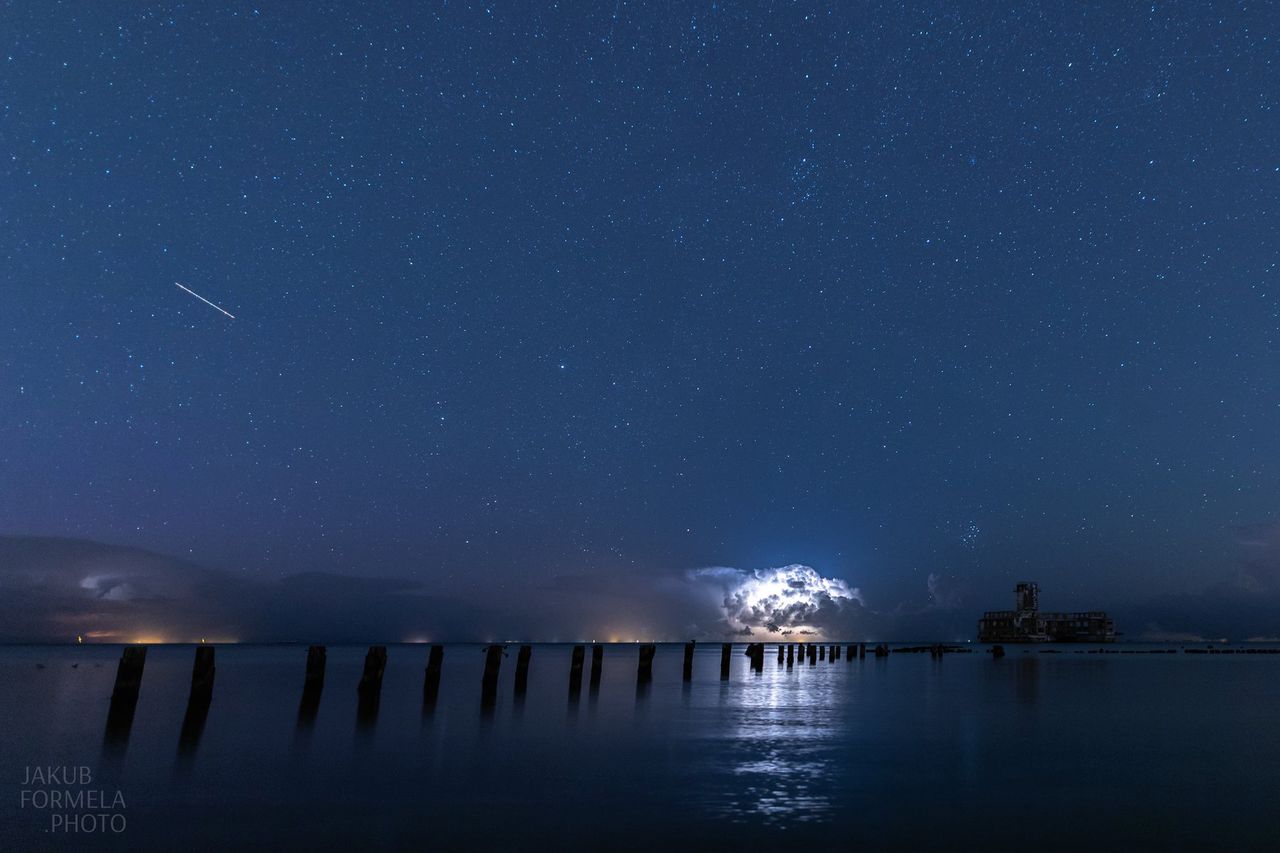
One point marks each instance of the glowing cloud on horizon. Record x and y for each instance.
(780, 601)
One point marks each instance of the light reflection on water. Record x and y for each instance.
(777, 765)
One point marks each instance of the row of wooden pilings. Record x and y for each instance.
(124, 697)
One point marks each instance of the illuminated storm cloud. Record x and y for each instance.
(788, 600)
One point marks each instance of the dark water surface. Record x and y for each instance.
(1033, 752)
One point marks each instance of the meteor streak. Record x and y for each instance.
(202, 299)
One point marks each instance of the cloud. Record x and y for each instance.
(1155, 634)
(1242, 603)
(944, 592)
(53, 589)
(780, 602)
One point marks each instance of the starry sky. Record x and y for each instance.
(932, 297)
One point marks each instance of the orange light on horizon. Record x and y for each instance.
(149, 640)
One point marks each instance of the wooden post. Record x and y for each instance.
(813, 654)
(644, 670)
(575, 670)
(597, 666)
(791, 654)
(835, 652)
(489, 680)
(202, 675)
(370, 688)
(522, 670)
(782, 653)
(431, 681)
(688, 660)
(862, 651)
(756, 652)
(725, 651)
(851, 652)
(124, 697)
(315, 667)
(375, 664)
(312, 686)
(129, 672)
(822, 652)
(198, 700)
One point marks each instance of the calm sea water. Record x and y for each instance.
(1033, 752)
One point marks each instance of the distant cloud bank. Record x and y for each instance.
(55, 589)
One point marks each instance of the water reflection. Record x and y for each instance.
(780, 742)
(119, 724)
(1026, 680)
(735, 762)
(193, 725)
(309, 706)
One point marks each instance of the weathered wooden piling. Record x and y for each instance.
(725, 651)
(198, 701)
(688, 660)
(756, 654)
(851, 652)
(822, 652)
(431, 680)
(370, 687)
(835, 652)
(202, 675)
(597, 666)
(575, 670)
(315, 667)
(644, 669)
(862, 651)
(522, 670)
(312, 686)
(129, 672)
(813, 654)
(489, 679)
(375, 664)
(124, 696)
(791, 654)
(782, 652)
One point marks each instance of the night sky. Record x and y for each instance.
(528, 300)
